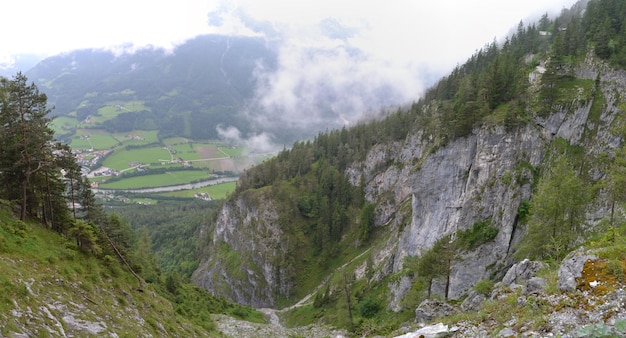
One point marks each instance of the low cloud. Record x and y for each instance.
(255, 144)
(324, 81)
(340, 62)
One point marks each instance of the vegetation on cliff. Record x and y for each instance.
(523, 81)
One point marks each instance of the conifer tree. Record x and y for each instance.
(27, 141)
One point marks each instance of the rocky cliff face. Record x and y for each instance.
(426, 193)
(245, 246)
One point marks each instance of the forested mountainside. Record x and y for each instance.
(518, 153)
(186, 92)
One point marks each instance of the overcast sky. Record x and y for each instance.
(364, 50)
(436, 31)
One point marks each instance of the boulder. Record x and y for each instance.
(572, 268)
(473, 301)
(506, 333)
(535, 286)
(431, 309)
(521, 272)
(431, 331)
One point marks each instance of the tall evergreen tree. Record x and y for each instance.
(27, 140)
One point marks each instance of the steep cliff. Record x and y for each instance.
(462, 159)
(246, 242)
(482, 177)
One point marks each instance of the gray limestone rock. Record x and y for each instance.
(571, 269)
(506, 333)
(431, 309)
(521, 272)
(535, 286)
(397, 289)
(473, 301)
(431, 331)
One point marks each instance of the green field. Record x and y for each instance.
(98, 139)
(138, 137)
(218, 191)
(112, 109)
(230, 151)
(186, 152)
(174, 140)
(63, 125)
(121, 158)
(144, 147)
(158, 180)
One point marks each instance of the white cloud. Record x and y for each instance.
(51, 27)
(256, 144)
(340, 59)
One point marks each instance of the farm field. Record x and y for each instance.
(97, 139)
(112, 109)
(158, 180)
(138, 137)
(185, 151)
(64, 125)
(121, 152)
(218, 191)
(123, 159)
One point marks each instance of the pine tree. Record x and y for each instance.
(27, 141)
(558, 209)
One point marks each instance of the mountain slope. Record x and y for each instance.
(50, 288)
(188, 91)
(454, 181)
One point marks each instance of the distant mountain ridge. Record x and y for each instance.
(189, 91)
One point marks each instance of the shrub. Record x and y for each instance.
(484, 287)
(523, 211)
(480, 233)
(368, 308)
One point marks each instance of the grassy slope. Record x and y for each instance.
(49, 288)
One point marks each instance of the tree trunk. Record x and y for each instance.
(24, 198)
(49, 200)
(121, 257)
(448, 278)
(347, 289)
(72, 197)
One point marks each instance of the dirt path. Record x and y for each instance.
(272, 314)
(305, 299)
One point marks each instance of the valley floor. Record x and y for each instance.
(232, 327)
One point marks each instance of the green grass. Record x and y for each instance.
(232, 151)
(112, 109)
(174, 140)
(218, 191)
(572, 89)
(42, 269)
(138, 137)
(159, 180)
(98, 139)
(80, 143)
(63, 125)
(101, 141)
(185, 151)
(121, 158)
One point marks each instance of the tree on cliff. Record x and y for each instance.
(558, 210)
(28, 147)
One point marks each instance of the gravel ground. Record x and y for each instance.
(232, 327)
